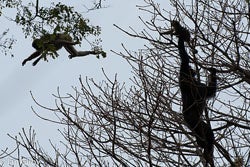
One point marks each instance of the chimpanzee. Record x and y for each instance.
(194, 96)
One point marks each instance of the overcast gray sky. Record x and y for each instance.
(16, 81)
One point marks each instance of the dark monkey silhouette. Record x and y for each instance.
(50, 43)
(194, 96)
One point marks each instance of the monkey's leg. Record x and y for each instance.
(205, 139)
(72, 51)
(64, 42)
(208, 151)
(37, 60)
(32, 56)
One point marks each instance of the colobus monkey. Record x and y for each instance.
(194, 96)
(52, 43)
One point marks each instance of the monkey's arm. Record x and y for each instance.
(71, 49)
(212, 83)
(32, 56)
(183, 35)
(209, 90)
(183, 54)
(185, 68)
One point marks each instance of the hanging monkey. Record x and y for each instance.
(51, 43)
(194, 96)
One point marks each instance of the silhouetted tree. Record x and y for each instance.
(113, 124)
